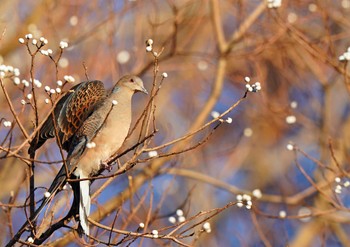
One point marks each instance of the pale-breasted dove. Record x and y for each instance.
(92, 124)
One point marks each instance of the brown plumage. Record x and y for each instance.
(80, 105)
(70, 113)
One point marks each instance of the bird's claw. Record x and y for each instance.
(106, 166)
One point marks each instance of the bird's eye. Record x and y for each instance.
(132, 80)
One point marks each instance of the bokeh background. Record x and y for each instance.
(287, 145)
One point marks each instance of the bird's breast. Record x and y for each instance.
(107, 141)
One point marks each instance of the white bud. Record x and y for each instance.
(91, 145)
(172, 219)
(165, 75)
(207, 227)
(149, 48)
(114, 102)
(257, 193)
(34, 41)
(59, 83)
(69, 78)
(179, 212)
(37, 83)
(47, 194)
(29, 96)
(29, 36)
(24, 81)
(7, 123)
(152, 153)
(47, 88)
(341, 58)
(247, 197)
(149, 42)
(63, 44)
(347, 56)
(142, 225)
(16, 81)
(21, 40)
(181, 219)
(52, 91)
(16, 72)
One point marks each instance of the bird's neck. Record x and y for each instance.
(121, 95)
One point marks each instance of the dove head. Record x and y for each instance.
(131, 82)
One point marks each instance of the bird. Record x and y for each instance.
(91, 124)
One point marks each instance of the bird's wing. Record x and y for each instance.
(70, 112)
(79, 106)
(47, 131)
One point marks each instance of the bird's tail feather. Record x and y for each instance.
(55, 186)
(84, 203)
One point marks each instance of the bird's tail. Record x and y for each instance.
(84, 201)
(54, 188)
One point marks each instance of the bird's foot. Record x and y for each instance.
(106, 166)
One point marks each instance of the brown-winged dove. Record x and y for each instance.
(91, 125)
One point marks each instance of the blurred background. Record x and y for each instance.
(287, 146)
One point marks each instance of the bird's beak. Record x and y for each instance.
(143, 90)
